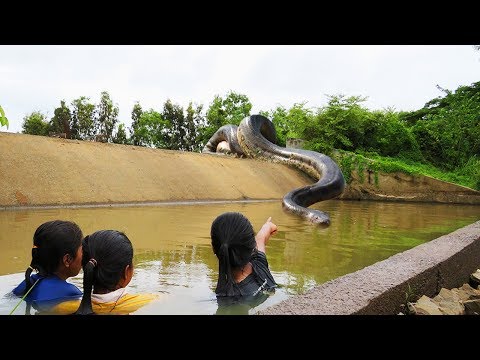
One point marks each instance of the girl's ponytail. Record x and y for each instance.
(89, 269)
(226, 283)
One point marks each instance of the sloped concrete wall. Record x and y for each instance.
(404, 187)
(39, 170)
(382, 287)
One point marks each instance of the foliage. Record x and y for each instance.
(152, 130)
(82, 120)
(60, 122)
(344, 124)
(289, 124)
(121, 135)
(193, 121)
(349, 162)
(222, 111)
(448, 128)
(173, 114)
(441, 140)
(468, 176)
(387, 135)
(106, 116)
(411, 296)
(35, 124)
(339, 125)
(3, 118)
(230, 110)
(346, 165)
(136, 114)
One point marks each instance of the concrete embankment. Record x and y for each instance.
(42, 171)
(381, 288)
(403, 187)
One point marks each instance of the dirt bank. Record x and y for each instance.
(38, 170)
(43, 171)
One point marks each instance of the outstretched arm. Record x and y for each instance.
(267, 229)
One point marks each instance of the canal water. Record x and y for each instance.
(173, 256)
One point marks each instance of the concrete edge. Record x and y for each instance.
(381, 288)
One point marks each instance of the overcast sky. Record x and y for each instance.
(36, 78)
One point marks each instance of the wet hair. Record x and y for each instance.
(51, 241)
(106, 253)
(233, 241)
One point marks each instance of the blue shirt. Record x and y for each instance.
(48, 292)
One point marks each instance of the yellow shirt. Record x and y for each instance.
(115, 303)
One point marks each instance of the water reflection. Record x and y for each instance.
(173, 255)
(240, 305)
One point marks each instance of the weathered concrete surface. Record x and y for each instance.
(39, 170)
(403, 187)
(382, 287)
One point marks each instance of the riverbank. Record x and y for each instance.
(44, 171)
(382, 288)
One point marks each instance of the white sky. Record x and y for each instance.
(37, 77)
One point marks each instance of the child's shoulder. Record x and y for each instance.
(259, 256)
(56, 287)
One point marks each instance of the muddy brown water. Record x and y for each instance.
(173, 255)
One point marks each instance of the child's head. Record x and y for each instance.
(107, 265)
(57, 249)
(233, 241)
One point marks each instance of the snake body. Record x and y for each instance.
(256, 138)
(227, 133)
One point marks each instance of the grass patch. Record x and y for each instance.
(468, 176)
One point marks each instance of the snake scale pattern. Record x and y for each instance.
(255, 137)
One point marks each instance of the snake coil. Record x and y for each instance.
(256, 137)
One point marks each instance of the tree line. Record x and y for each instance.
(172, 127)
(445, 133)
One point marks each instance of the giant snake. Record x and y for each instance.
(256, 137)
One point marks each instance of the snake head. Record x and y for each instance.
(318, 217)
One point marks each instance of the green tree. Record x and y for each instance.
(321, 130)
(136, 114)
(107, 116)
(222, 111)
(153, 130)
(35, 124)
(283, 123)
(448, 132)
(121, 135)
(173, 114)
(387, 135)
(82, 120)
(193, 121)
(3, 118)
(60, 122)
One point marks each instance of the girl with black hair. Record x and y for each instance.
(56, 256)
(242, 263)
(107, 270)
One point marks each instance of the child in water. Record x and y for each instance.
(107, 270)
(56, 256)
(242, 263)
